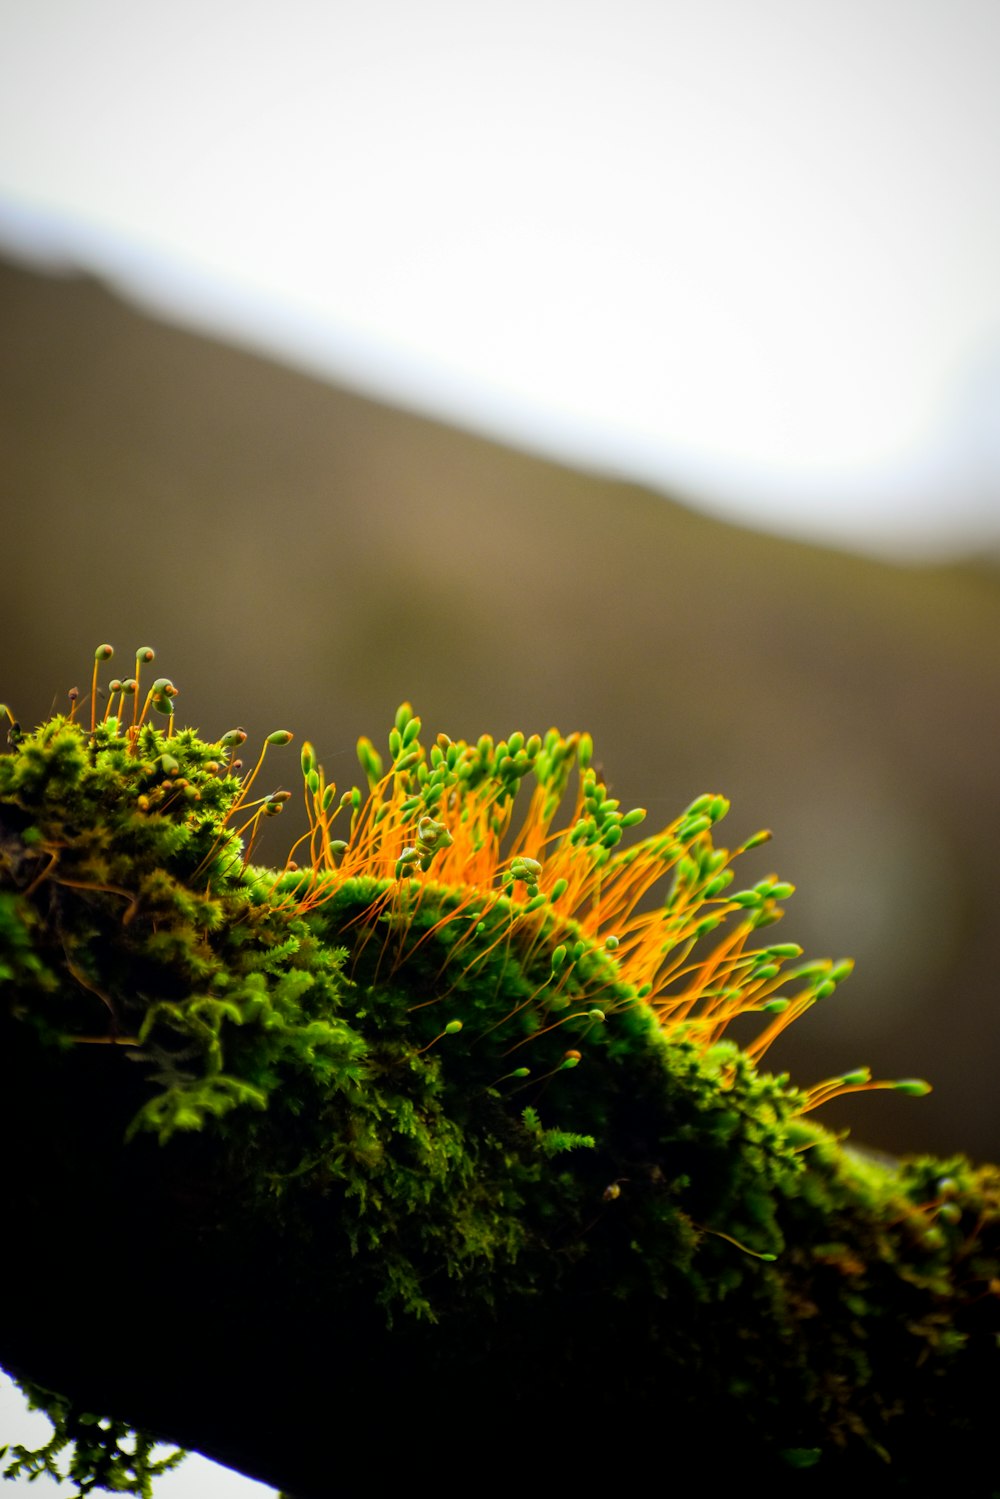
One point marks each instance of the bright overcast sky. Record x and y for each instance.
(746, 247)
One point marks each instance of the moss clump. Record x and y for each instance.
(472, 1088)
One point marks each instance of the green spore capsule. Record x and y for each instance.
(841, 970)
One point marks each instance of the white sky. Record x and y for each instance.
(196, 1478)
(749, 247)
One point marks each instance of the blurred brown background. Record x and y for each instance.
(301, 557)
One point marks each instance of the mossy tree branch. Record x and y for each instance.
(436, 1144)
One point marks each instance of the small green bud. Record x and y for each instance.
(369, 759)
(453, 1027)
(915, 1087)
(698, 805)
(280, 736)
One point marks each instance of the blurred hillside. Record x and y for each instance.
(304, 558)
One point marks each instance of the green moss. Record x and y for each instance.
(448, 1098)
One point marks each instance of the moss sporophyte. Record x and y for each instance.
(473, 1043)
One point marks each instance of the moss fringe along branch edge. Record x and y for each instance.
(469, 1054)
